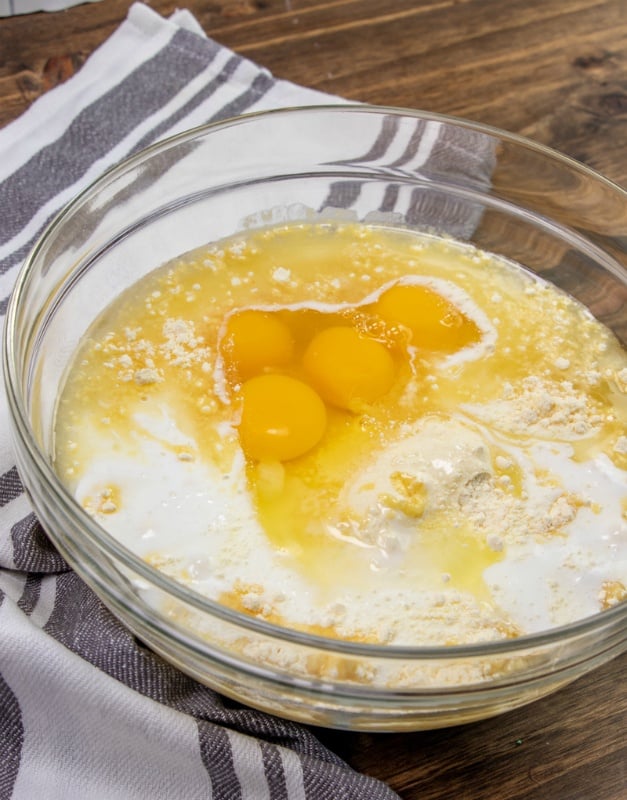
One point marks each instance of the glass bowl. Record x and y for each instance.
(497, 191)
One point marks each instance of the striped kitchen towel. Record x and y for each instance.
(86, 712)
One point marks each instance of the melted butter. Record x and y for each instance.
(458, 554)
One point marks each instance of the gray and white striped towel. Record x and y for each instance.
(86, 712)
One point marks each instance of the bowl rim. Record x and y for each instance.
(106, 542)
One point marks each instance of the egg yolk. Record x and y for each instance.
(281, 418)
(348, 368)
(255, 341)
(433, 321)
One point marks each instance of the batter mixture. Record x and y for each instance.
(356, 431)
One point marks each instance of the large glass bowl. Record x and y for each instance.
(498, 191)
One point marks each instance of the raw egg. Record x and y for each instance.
(347, 368)
(255, 341)
(281, 418)
(433, 321)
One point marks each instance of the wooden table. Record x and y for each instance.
(554, 70)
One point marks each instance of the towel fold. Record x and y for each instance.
(86, 711)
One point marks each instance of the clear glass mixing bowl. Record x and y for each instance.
(396, 167)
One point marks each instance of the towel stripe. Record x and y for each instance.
(10, 486)
(217, 756)
(201, 96)
(97, 129)
(414, 144)
(11, 737)
(338, 782)
(44, 607)
(293, 771)
(32, 550)
(379, 148)
(260, 85)
(30, 595)
(273, 768)
(248, 767)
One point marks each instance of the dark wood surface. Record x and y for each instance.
(554, 70)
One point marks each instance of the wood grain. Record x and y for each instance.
(554, 70)
(564, 747)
